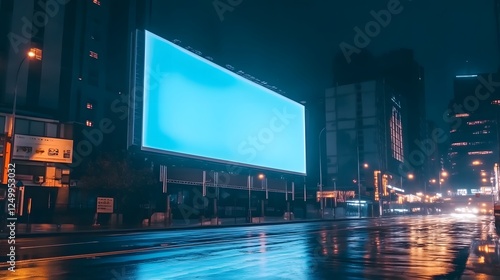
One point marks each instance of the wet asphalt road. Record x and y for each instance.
(419, 247)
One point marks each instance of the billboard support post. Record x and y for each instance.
(249, 199)
(204, 183)
(286, 191)
(168, 217)
(216, 182)
(267, 192)
(305, 192)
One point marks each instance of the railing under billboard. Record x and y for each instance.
(236, 187)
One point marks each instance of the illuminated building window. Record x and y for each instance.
(89, 123)
(463, 115)
(89, 105)
(396, 135)
(452, 154)
(94, 55)
(476, 143)
(459, 144)
(480, 153)
(495, 102)
(97, 2)
(477, 122)
(482, 132)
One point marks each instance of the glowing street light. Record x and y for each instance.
(366, 165)
(9, 149)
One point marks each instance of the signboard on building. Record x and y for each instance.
(342, 196)
(105, 205)
(46, 149)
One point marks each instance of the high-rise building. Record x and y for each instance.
(402, 74)
(66, 91)
(435, 159)
(365, 125)
(474, 141)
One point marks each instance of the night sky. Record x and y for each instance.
(291, 44)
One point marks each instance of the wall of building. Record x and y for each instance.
(474, 134)
(368, 118)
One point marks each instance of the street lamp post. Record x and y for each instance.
(335, 193)
(321, 175)
(11, 127)
(359, 183)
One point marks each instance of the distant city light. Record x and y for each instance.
(466, 76)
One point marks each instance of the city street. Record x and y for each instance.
(418, 247)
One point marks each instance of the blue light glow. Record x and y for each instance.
(193, 107)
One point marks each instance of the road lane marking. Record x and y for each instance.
(58, 245)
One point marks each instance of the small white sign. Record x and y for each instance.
(105, 205)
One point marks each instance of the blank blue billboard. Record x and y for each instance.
(195, 108)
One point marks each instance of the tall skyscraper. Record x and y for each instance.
(67, 89)
(402, 74)
(474, 141)
(364, 128)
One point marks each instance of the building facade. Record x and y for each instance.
(65, 91)
(403, 75)
(365, 134)
(473, 149)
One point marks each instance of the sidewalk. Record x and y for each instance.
(65, 229)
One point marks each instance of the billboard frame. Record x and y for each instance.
(136, 107)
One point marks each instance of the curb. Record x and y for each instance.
(176, 228)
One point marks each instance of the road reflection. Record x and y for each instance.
(425, 247)
(428, 248)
